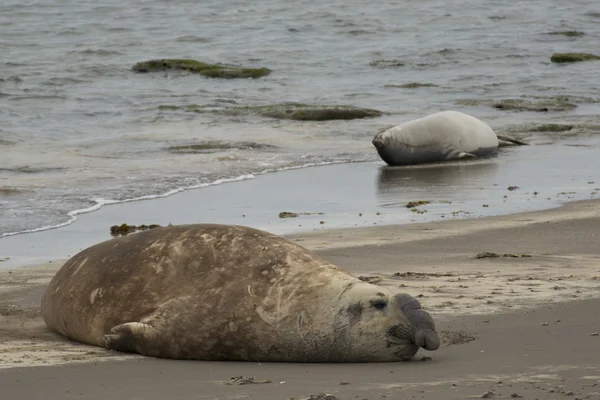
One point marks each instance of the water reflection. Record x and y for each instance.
(445, 180)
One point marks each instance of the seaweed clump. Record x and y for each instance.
(551, 128)
(568, 33)
(197, 67)
(306, 112)
(413, 204)
(543, 105)
(292, 111)
(573, 57)
(124, 229)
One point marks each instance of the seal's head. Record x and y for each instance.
(381, 326)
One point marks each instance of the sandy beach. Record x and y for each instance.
(521, 321)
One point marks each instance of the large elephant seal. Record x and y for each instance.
(447, 135)
(221, 292)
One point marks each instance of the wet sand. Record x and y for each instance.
(518, 326)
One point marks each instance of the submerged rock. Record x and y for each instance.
(568, 33)
(542, 105)
(293, 111)
(214, 146)
(386, 63)
(551, 128)
(573, 57)
(412, 85)
(197, 67)
(307, 112)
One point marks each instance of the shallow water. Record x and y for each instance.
(80, 129)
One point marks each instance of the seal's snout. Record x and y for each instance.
(425, 335)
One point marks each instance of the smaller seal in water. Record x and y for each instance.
(443, 136)
(226, 292)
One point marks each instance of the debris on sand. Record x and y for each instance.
(511, 188)
(420, 275)
(487, 254)
(124, 229)
(371, 279)
(320, 396)
(287, 214)
(413, 204)
(489, 394)
(245, 380)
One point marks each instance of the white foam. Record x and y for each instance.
(100, 202)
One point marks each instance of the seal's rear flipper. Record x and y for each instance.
(504, 140)
(459, 155)
(133, 337)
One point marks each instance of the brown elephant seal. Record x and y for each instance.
(443, 136)
(222, 292)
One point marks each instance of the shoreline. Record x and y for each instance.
(355, 195)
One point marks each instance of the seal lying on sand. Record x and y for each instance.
(447, 135)
(222, 292)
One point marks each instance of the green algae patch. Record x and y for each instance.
(214, 146)
(412, 85)
(386, 64)
(124, 229)
(292, 111)
(305, 112)
(10, 191)
(551, 128)
(541, 105)
(197, 67)
(572, 57)
(568, 33)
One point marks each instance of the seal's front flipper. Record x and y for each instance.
(133, 337)
(504, 140)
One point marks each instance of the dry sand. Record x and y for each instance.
(511, 326)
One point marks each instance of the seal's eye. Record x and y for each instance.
(379, 304)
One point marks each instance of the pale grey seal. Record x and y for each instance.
(447, 135)
(224, 292)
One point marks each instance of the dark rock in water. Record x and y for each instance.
(306, 112)
(551, 128)
(542, 105)
(573, 57)
(568, 33)
(214, 146)
(386, 63)
(124, 229)
(412, 85)
(293, 111)
(197, 67)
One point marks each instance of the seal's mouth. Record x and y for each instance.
(404, 349)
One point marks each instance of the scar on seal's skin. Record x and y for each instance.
(346, 288)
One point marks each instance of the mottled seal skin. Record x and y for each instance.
(447, 135)
(223, 292)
